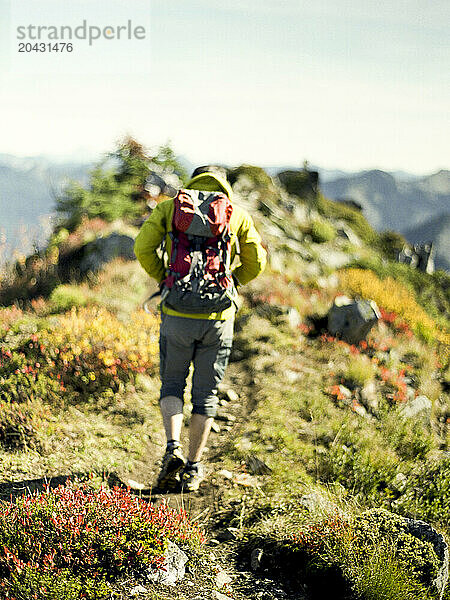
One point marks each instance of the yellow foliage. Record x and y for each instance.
(95, 330)
(394, 297)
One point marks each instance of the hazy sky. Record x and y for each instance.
(346, 84)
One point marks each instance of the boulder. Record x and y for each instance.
(173, 568)
(352, 319)
(417, 408)
(424, 532)
(105, 249)
(369, 396)
(418, 546)
(302, 183)
(94, 254)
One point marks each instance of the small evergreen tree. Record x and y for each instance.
(115, 189)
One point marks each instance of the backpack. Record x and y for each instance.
(199, 277)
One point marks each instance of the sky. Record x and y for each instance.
(348, 84)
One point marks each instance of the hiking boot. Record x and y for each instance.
(191, 477)
(172, 464)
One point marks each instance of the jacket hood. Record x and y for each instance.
(210, 182)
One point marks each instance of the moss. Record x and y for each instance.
(64, 297)
(321, 231)
(337, 210)
(414, 555)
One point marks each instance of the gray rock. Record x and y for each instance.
(293, 318)
(105, 249)
(369, 396)
(174, 566)
(361, 411)
(137, 590)
(333, 259)
(345, 392)
(256, 558)
(416, 408)
(222, 579)
(424, 531)
(232, 395)
(352, 319)
(348, 234)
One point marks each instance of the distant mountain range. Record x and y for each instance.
(418, 207)
(28, 187)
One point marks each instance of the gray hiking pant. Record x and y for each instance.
(205, 343)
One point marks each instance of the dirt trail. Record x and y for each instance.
(205, 506)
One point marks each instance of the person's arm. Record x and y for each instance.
(149, 239)
(252, 253)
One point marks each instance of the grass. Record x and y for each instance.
(102, 416)
(359, 371)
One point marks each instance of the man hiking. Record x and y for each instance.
(201, 232)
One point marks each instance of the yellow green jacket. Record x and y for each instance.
(244, 237)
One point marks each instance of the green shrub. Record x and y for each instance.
(256, 174)
(416, 556)
(64, 297)
(427, 495)
(369, 556)
(321, 231)
(366, 471)
(337, 210)
(17, 426)
(359, 371)
(390, 243)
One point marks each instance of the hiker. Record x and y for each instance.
(198, 294)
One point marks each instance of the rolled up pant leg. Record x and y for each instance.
(176, 351)
(211, 356)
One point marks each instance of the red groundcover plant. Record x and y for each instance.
(84, 535)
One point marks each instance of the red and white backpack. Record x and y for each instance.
(199, 278)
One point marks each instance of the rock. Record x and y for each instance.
(223, 416)
(105, 249)
(276, 260)
(361, 411)
(292, 376)
(293, 318)
(345, 392)
(330, 281)
(423, 531)
(138, 589)
(136, 485)
(369, 396)
(348, 234)
(256, 558)
(245, 480)
(228, 534)
(352, 319)
(302, 183)
(232, 395)
(222, 579)
(173, 566)
(416, 408)
(215, 427)
(219, 596)
(333, 259)
(399, 482)
(225, 474)
(256, 466)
